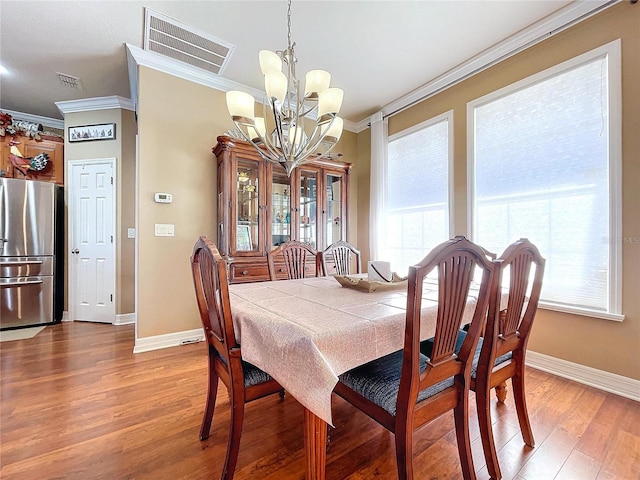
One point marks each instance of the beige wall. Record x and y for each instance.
(177, 126)
(348, 148)
(602, 344)
(126, 213)
(123, 150)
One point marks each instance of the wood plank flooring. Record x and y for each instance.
(76, 403)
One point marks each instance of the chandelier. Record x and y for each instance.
(299, 121)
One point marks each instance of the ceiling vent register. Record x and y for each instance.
(69, 81)
(175, 40)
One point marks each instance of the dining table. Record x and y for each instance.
(306, 332)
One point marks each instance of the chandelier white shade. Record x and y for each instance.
(295, 121)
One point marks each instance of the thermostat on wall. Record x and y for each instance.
(163, 198)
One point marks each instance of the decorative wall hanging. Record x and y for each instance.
(105, 131)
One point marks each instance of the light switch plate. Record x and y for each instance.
(131, 233)
(164, 229)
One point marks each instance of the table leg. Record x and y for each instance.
(315, 444)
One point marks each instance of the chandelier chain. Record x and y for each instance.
(289, 24)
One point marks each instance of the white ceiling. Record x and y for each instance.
(377, 51)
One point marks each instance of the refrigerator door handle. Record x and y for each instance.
(21, 262)
(6, 283)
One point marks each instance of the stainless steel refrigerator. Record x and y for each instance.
(31, 251)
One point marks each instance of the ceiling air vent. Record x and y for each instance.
(69, 81)
(173, 39)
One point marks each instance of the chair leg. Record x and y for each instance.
(404, 450)
(517, 382)
(461, 417)
(501, 392)
(236, 402)
(483, 397)
(212, 393)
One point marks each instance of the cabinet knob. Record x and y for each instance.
(245, 272)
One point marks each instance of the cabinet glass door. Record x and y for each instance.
(247, 231)
(280, 209)
(308, 206)
(333, 219)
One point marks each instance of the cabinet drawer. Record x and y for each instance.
(239, 273)
(281, 270)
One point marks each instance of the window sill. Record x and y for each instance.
(615, 317)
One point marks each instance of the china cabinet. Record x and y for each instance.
(260, 207)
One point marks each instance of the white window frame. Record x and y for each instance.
(448, 117)
(612, 51)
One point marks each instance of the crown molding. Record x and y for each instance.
(91, 104)
(545, 28)
(139, 57)
(45, 121)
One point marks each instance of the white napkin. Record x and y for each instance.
(379, 271)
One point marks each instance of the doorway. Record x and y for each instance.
(91, 212)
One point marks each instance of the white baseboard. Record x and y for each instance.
(125, 319)
(609, 382)
(156, 342)
(121, 319)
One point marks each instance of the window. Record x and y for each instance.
(545, 163)
(416, 211)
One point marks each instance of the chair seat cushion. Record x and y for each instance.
(379, 381)
(253, 375)
(427, 346)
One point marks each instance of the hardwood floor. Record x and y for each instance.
(76, 403)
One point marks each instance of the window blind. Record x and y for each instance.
(541, 171)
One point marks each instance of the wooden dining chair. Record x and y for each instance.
(407, 389)
(295, 255)
(504, 343)
(244, 381)
(340, 254)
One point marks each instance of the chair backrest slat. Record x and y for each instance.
(342, 259)
(518, 281)
(523, 294)
(454, 279)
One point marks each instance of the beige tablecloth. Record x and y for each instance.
(305, 333)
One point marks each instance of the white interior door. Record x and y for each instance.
(91, 241)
